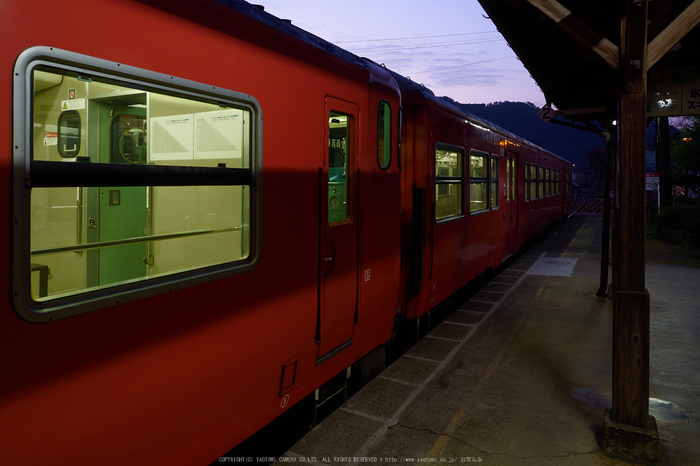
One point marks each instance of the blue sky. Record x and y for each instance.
(448, 45)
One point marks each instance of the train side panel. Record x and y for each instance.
(181, 376)
(467, 203)
(446, 245)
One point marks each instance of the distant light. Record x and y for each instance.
(666, 103)
(687, 139)
(614, 122)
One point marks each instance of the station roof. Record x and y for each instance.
(570, 47)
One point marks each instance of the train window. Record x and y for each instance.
(384, 134)
(152, 186)
(478, 181)
(514, 179)
(556, 182)
(339, 146)
(547, 182)
(527, 181)
(552, 188)
(449, 182)
(533, 181)
(551, 182)
(509, 182)
(550, 175)
(540, 181)
(494, 182)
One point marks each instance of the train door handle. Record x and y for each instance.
(328, 259)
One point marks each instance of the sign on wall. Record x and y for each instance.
(673, 93)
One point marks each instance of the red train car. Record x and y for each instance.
(207, 218)
(472, 194)
(198, 228)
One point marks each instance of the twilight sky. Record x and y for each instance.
(448, 45)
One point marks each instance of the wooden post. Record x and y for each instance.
(629, 431)
(630, 300)
(605, 242)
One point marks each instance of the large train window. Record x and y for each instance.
(449, 182)
(384, 134)
(157, 187)
(540, 181)
(533, 181)
(478, 181)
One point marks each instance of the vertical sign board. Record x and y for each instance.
(653, 185)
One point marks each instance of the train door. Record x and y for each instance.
(116, 213)
(511, 204)
(338, 231)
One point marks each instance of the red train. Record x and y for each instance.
(210, 214)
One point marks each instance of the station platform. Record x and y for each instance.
(522, 372)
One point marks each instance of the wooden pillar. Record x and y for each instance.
(630, 299)
(605, 241)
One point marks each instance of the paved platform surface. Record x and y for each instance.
(521, 373)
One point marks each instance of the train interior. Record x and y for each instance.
(89, 237)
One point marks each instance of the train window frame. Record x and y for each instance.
(551, 182)
(508, 179)
(533, 182)
(29, 174)
(384, 128)
(478, 181)
(495, 168)
(445, 181)
(514, 180)
(526, 179)
(341, 208)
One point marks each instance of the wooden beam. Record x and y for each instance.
(581, 111)
(578, 30)
(673, 33)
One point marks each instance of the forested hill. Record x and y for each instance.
(521, 118)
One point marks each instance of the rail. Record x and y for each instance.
(583, 203)
(138, 239)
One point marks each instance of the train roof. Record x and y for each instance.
(378, 74)
(405, 84)
(257, 12)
